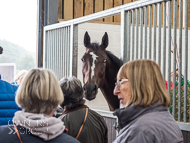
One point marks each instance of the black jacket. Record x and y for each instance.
(8, 135)
(94, 129)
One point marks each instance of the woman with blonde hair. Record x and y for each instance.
(20, 76)
(145, 117)
(38, 95)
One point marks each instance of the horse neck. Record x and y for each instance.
(109, 85)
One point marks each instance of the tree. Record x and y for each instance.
(26, 62)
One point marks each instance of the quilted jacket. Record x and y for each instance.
(8, 105)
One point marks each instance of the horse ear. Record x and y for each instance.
(86, 39)
(105, 41)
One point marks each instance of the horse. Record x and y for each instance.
(99, 70)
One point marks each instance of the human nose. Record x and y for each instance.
(116, 91)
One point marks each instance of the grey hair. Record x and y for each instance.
(72, 91)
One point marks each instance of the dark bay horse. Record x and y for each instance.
(99, 70)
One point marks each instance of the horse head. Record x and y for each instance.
(94, 66)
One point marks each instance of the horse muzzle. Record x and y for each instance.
(90, 91)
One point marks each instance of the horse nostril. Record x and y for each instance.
(95, 87)
(84, 87)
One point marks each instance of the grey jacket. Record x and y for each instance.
(152, 124)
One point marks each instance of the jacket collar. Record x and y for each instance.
(130, 113)
(74, 109)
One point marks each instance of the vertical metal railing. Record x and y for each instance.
(164, 41)
(128, 33)
(180, 56)
(137, 33)
(161, 40)
(154, 25)
(186, 56)
(150, 31)
(159, 35)
(174, 55)
(141, 32)
(133, 33)
(57, 51)
(145, 32)
(169, 52)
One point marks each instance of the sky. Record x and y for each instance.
(18, 21)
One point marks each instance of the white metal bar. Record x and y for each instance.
(164, 41)
(154, 25)
(145, 33)
(71, 50)
(129, 34)
(186, 52)
(137, 33)
(133, 33)
(174, 58)
(141, 32)
(122, 35)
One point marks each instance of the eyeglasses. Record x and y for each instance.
(119, 82)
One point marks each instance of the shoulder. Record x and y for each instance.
(8, 135)
(7, 87)
(65, 137)
(152, 126)
(96, 115)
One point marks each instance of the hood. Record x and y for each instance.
(39, 125)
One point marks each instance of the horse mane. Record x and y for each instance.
(114, 59)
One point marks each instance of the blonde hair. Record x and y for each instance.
(20, 75)
(39, 92)
(146, 82)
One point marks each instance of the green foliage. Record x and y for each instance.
(182, 99)
(26, 62)
(13, 53)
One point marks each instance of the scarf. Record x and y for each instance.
(40, 125)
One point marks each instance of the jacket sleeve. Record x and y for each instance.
(140, 137)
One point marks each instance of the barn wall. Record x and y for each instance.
(69, 9)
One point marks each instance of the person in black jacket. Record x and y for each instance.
(83, 123)
(38, 95)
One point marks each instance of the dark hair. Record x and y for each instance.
(72, 91)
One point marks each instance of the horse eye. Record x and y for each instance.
(82, 59)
